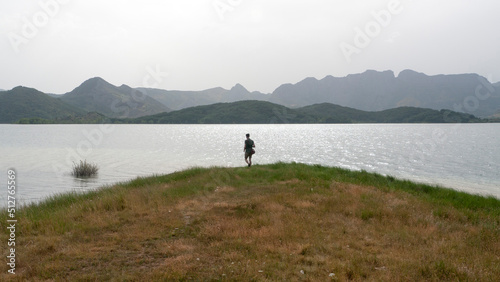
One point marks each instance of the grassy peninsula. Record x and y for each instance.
(267, 222)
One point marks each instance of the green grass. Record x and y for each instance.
(268, 222)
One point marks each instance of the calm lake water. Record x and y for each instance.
(460, 156)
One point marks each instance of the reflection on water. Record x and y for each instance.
(84, 183)
(464, 157)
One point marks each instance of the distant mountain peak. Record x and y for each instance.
(25, 89)
(238, 86)
(93, 83)
(125, 87)
(410, 73)
(239, 89)
(309, 80)
(98, 95)
(94, 80)
(18, 88)
(386, 73)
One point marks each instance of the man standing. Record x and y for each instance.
(248, 149)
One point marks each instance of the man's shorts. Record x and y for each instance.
(248, 154)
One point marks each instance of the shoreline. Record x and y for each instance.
(459, 187)
(278, 221)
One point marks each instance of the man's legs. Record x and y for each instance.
(248, 159)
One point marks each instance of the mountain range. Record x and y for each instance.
(368, 91)
(178, 100)
(375, 91)
(262, 112)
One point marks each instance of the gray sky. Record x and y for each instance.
(54, 45)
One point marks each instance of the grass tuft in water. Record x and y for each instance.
(84, 169)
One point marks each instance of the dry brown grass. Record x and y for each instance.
(253, 230)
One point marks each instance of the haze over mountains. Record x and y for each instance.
(177, 100)
(375, 91)
(368, 91)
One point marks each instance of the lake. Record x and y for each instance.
(461, 156)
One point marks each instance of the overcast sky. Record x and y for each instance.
(55, 45)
